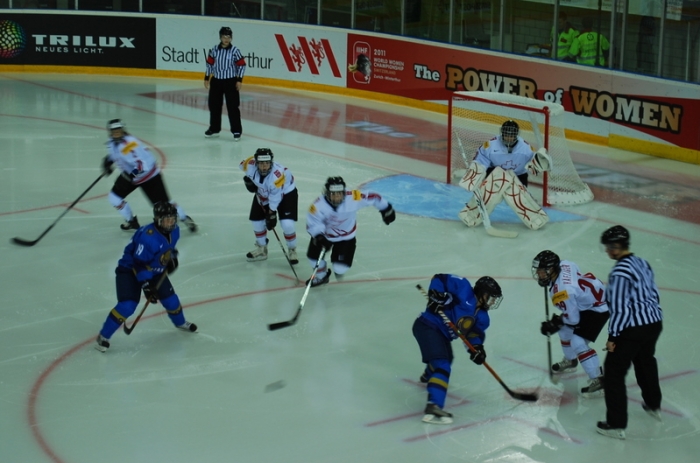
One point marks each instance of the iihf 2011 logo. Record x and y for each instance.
(13, 40)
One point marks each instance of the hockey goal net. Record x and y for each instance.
(475, 117)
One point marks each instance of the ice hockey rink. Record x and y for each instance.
(342, 384)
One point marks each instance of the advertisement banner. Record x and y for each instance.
(292, 52)
(599, 102)
(77, 40)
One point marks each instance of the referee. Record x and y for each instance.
(633, 329)
(224, 77)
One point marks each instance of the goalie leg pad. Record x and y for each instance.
(474, 176)
(524, 205)
(492, 190)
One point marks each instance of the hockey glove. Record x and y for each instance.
(150, 291)
(271, 220)
(437, 301)
(320, 241)
(173, 264)
(388, 215)
(107, 165)
(478, 355)
(550, 327)
(250, 185)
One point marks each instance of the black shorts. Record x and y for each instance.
(287, 209)
(154, 188)
(342, 252)
(590, 324)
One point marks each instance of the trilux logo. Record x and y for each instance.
(87, 41)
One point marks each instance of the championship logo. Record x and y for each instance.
(13, 40)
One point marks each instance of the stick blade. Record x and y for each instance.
(21, 242)
(501, 233)
(279, 325)
(525, 396)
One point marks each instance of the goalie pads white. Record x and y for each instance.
(523, 204)
(541, 162)
(492, 190)
(474, 176)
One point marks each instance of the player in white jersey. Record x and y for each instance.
(581, 298)
(139, 169)
(500, 171)
(332, 223)
(275, 195)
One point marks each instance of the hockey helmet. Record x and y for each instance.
(263, 155)
(509, 133)
(225, 31)
(488, 290)
(546, 267)
(165, 216)
(617, 235)
(116, 124)
(334, 191)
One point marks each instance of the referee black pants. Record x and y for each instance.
(636, 346)
(218, 89)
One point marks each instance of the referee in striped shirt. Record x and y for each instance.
(224, 77)
(633, 330)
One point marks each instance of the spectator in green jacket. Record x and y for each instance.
(590, 48)
(566, 35)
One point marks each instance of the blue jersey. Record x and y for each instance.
(149, 252)
(462, 311)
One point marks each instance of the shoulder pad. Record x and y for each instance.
(248, 161)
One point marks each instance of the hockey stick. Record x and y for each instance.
(516, 395)
(279, 325)
(22, 242)
(127, 329)
(480, 203)
(552, 378)
(285, 255)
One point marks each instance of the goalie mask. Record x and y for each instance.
(617, 235)
(509, 134)
(488, 293)
(165, 217)
(545, 268)
(334, 191)
(263, 160)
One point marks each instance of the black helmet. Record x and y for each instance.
(616, 235)
(489, 287)
(334, 184)
(115, 124)
(225, 31)
(163, 210)
(550, 263)
(263, 154)
(510, 129)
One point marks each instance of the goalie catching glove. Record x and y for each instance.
(478, 355)
(552, 326)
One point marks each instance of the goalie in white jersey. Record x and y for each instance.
(138, 170)
(332, 223)
(275, 195)
(500, 172)
(581, 298)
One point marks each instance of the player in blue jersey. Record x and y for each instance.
(468, 310)
(150, 253)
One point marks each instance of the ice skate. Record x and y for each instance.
(564, 366)
(210, 134)
(292, 254)
(132, 224)
(656, 414)
(320, 281)
(257, 254)
(102, 343)
(187, 326)
(436, 415)
(605, 429)
(594, 388)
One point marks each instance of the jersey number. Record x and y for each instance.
(585, 283)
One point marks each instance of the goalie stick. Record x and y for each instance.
(21, 242)
(552, 378)
(480, 203)
(127, 329)
(516, 395)
(293, 320)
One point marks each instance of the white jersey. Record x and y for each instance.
(340, 223)
(133, 158)
(494, 153)
(273, 186)
(573, 293)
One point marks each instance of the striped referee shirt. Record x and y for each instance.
(632, 295)
(225, 63)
